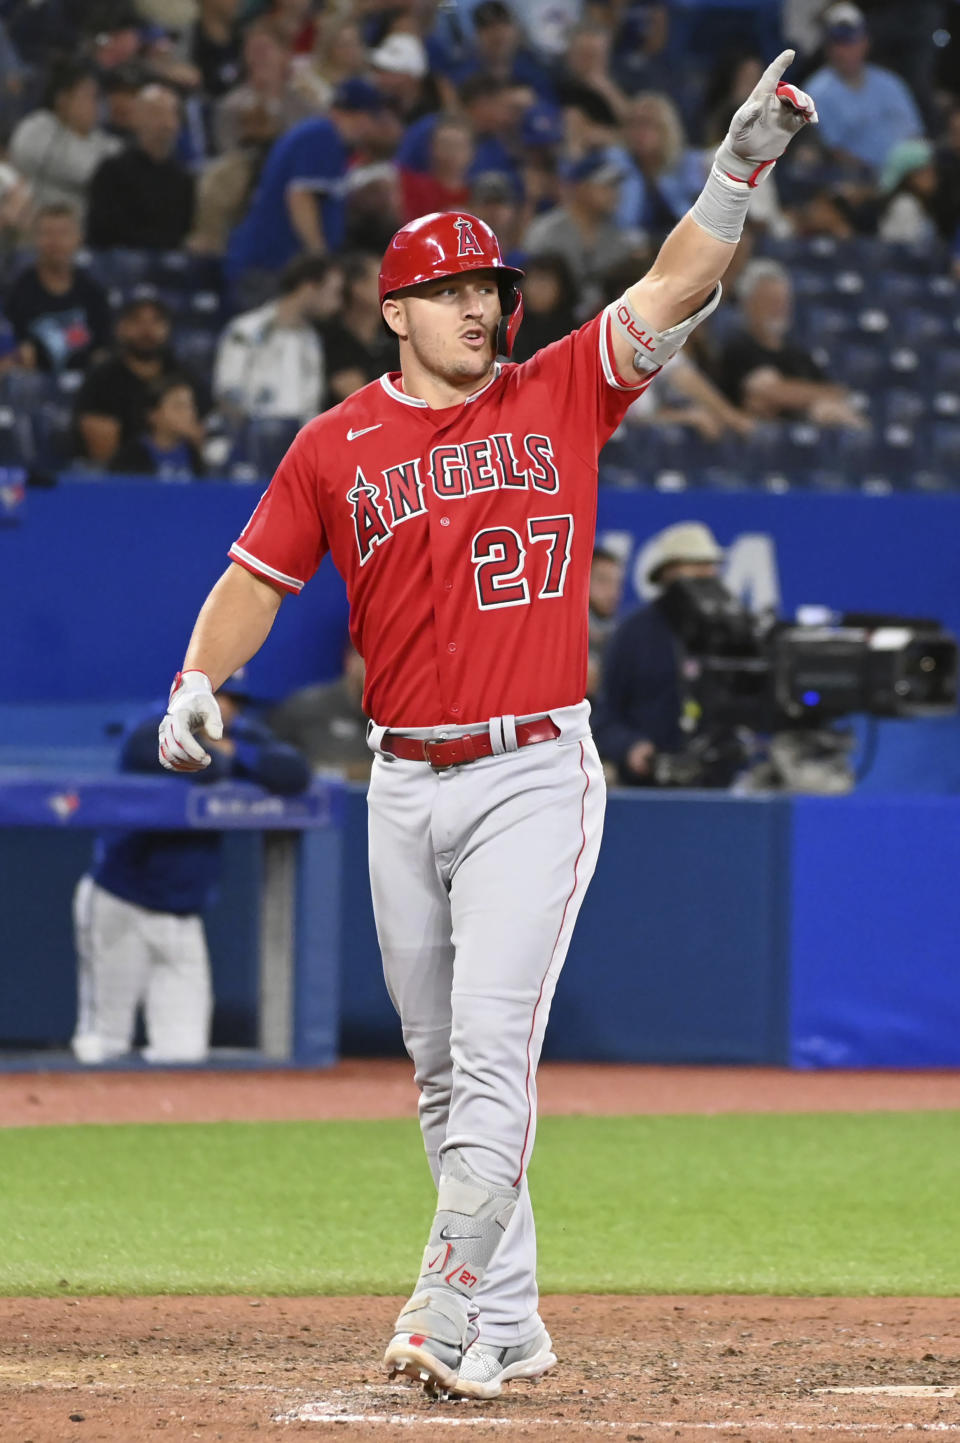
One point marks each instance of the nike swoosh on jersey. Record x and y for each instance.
(457, 1237)
(352, 435)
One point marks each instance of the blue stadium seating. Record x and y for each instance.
(259, 447)
(16, 438)
(196, 347)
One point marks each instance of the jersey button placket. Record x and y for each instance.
(447, 648)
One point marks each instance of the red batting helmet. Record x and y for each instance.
(448, 243)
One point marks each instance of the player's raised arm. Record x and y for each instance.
(682, 284)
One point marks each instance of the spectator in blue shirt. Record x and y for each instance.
(139, 930)
(864, 110)
(299, 204)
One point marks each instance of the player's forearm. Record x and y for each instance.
(233, 624)
(305, 218)
(683, 276)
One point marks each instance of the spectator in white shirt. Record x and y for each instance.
(57, 149)
(270, 361)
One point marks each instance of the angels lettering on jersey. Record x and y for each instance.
(382, 501)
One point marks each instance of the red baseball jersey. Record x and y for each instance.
(464, 535)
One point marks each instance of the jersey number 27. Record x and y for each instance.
(499, 558)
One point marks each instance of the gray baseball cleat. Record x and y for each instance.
(434, 1331)
(486, 1367)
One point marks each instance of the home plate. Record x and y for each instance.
(898, 1390)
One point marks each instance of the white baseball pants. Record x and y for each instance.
(478, 874)
(130, 956)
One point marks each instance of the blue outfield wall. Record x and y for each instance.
(819, 933)
(813, 932)
(100, 582)
(874, 953)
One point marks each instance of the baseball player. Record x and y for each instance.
(457, 499)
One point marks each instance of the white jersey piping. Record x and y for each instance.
(609, 364)
(257, 565)
(396, 394)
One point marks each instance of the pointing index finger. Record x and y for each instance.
(767, 83)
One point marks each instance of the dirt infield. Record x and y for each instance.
(385, 1089)
(631, 1368)
(651, 1369)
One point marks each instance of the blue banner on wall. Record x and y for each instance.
(101, 582)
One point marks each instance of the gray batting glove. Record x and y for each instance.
(192, 708)
(763, 127)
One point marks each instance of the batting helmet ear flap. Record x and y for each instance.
(511, 314)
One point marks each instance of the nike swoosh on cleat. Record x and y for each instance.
(352, 435)
(457, 1237)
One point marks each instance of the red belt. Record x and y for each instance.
(455, 751)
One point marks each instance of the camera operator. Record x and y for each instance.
(639, 709)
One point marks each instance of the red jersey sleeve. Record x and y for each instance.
(583, 382)
(284, 541)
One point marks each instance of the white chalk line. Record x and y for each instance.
(899, 1390)
(317, 1414)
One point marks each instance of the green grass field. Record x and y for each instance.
(830, 1203)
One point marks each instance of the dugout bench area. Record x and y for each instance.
(808, 932)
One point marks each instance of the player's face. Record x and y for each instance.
(451, 325)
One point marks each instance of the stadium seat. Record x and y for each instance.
(25, 390)
(179, 270)
(809, 282)
(726, 478)
(897, 447)
(899, 405)
(196, 348)
(52, 424)
(946, 366)
(261, 446)
(121, 269)
(945, 446)
(919, 325)
(827, 323)
(946, 404)
(922, 258)
(932, 481)
(827, 478)
(803, 447)
(899, 286)
(16, 438)
(203, 307)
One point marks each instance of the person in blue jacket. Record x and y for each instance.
(300, 202)
(138, 926)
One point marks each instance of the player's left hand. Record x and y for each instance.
(763, 127)
(192, 708)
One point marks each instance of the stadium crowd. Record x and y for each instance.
(195, 195)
